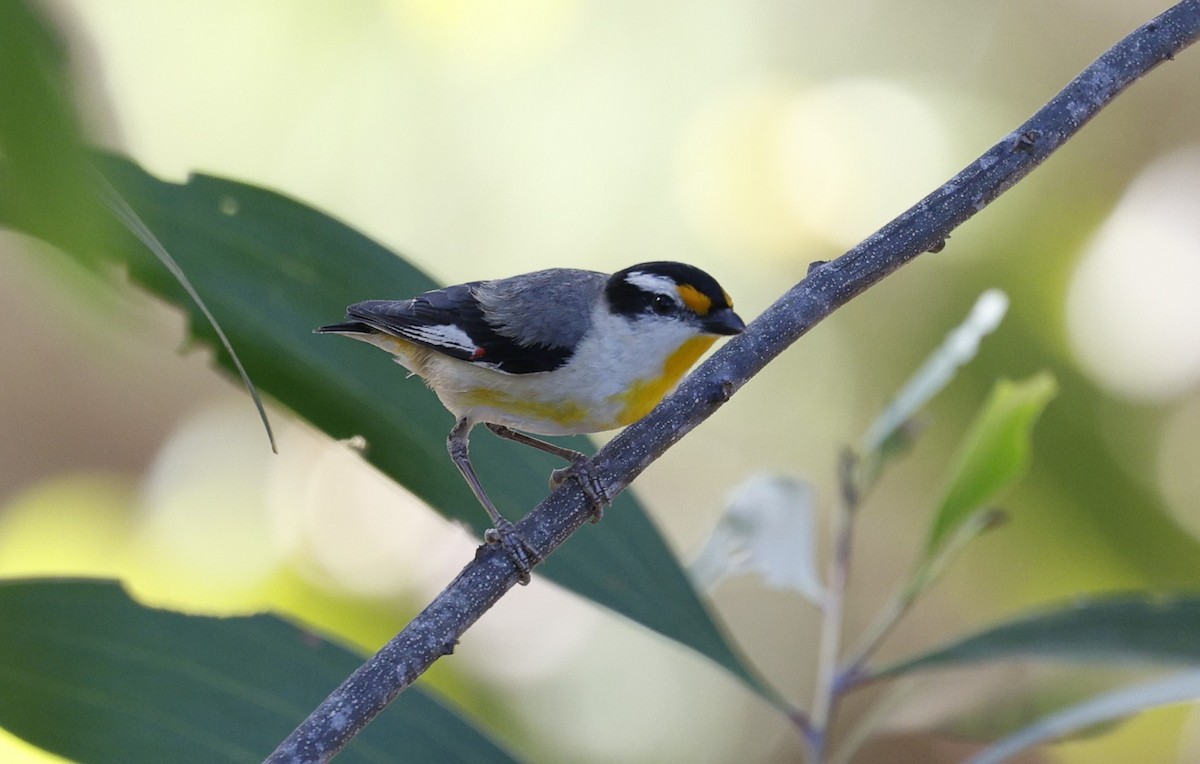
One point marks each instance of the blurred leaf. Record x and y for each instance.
(966, 530)
(54, 187)
(768, 528)
(1131, 628)
(992, 455)
(89, 674)
(1008, 701)
(271, 270)
(133, 223)
(39, 134)
(1182, 687)
(979, 706)
(959, 347)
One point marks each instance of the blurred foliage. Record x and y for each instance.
(39, 134)
(1096, 714)
(87, 673)
(1134, 628)
(564, 133)
(993, 455)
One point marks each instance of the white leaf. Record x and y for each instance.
(960, 346)
(768, 529)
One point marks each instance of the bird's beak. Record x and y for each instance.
(723, 321)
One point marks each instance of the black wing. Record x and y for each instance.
(450, 321)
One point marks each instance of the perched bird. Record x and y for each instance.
(555, 352)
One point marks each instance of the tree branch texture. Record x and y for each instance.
(827, 287)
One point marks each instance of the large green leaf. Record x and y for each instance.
(272, 269)
(1126, 629)
(89, 674)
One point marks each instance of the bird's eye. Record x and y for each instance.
(662, 305)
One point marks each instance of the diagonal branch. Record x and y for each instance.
(828, 286)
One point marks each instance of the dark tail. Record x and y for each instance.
(352, 327)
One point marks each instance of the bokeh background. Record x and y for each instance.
(749, 137)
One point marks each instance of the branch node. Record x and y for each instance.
(725, 388)
(1026, 140)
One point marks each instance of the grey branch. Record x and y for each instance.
(827, 287)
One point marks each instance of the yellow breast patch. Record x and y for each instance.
(645, 394)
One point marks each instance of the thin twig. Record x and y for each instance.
(925, 227)
(133, 222)
(825, 697)
(854, 672)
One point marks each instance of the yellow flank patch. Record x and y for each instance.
(564, 413)
(692, 297)
(645, 394)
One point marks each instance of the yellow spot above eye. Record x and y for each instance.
(692, 297)
(645, 394)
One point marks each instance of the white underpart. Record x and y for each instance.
(616, 354)
(654, 284)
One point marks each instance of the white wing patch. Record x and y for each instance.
(654, 284)
(443, 335)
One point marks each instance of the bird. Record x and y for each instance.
(561, 351)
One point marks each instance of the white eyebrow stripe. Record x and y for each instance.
(654, 284)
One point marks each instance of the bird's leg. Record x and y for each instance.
(579, 469)
(523, 556)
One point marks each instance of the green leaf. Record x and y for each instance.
(1182, 687)
(272, 269)
(993, 454)
(89, 674)
(1130, 628)
(39, 132)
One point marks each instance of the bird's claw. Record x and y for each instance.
(519, 551)
(580, 471)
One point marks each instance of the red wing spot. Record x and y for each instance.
(478, 353)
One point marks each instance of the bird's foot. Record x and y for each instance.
(581, 472)
(523, 556)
